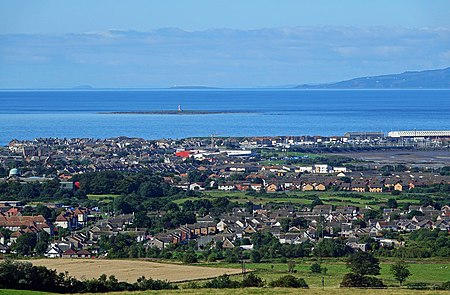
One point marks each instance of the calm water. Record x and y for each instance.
(31, 114)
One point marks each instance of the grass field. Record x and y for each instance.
(428, 271)
(130, 270)
(254, 291)
(282, 291)
(304, 198)
(22, 292)
(432, 272)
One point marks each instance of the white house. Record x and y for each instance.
(303, 169)
(322, 168)
(226, 187)
(53, 252)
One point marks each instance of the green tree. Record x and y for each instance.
(372, 214)
(151, 190)
(121, 205)
(392, 203)
(255, 257)
(331, 248)
(363, 263)
(45, 211)
(400, 271)
(25, 244)
(42, 243)
(28, 192)
(291, 266)
(316, 268)
(316, 201)
(189, 257)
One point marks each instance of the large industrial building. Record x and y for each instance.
(419, 133)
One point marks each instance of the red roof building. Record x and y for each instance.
(183, 154)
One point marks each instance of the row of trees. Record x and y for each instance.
(251, 280)
(48, 191)
(364, 267)
(25, 276)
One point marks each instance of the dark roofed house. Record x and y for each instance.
(84, 254)
(322, 209)
(70, 253)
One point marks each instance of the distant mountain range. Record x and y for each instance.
(430, 79)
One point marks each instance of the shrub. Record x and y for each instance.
(252, 280)
(445, 286)
(352, 280)
(222, 282)
(149, 284)
(417, 286)
(255, 257)
(212, 257)
(316, 268)
(291, 266)
(289, 282)
(189, 258)
(192, 285)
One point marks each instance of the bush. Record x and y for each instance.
(255, 257)
(289, 282)
(212, 257)
(352, 280)
(149, 284)
(189, 258)
(252, 280)
(418, 286)
(222, 282)
(316, 268)
(192, 285)
(445, 286)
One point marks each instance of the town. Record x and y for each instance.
(301, 190)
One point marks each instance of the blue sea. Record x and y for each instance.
(34, 114)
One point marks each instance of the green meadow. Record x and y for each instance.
(422, 271)
(374, 200)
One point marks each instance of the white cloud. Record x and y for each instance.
(347, 51)
(243, 58)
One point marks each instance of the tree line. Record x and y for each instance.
(25, 276)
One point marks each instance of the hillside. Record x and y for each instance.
(430, 79)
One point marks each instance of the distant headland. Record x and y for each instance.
(429, 79)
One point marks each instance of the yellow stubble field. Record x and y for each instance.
(130, 270)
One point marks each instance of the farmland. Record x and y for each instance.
(254, 291)
(430, 271)
(130, 270)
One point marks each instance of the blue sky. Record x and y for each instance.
(217, 43)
